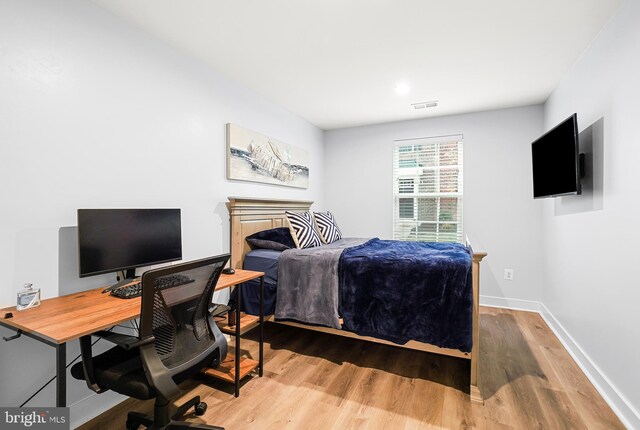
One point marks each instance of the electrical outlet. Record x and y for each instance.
(508, 274)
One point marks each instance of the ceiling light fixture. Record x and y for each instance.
(424, 105)
(402, 88)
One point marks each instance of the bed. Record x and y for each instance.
(251, 215)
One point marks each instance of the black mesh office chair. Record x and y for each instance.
(177, 338)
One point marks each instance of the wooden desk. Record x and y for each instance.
(61, 319)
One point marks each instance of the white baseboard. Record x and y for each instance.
(93, 405)
(618, 403)
(506, 303)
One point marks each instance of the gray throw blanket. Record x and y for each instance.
(308, 283)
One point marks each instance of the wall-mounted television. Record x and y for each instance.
(120, 240)
(557, 161)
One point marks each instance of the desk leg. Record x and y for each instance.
(238, 306)
(261, 359)
(61, 375)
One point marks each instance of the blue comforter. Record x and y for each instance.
(401, 291)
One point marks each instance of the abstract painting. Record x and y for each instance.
(254, 157)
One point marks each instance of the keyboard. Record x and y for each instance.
(135, 290)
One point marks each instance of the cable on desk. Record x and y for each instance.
(54, 378)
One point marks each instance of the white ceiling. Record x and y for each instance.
(336, 62)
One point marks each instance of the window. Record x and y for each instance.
(406, 209)
(427, 189)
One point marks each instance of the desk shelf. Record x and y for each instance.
(247, 323)
(230, 370)
(226, 371)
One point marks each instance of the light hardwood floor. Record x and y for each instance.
(318, 381)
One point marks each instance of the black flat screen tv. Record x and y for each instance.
(113, 240)
(556, 161)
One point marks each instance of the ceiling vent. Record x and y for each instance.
(424, 105)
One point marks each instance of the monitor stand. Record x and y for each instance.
(124, 277)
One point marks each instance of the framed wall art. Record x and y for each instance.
(254, 157)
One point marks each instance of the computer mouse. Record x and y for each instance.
(228, 271)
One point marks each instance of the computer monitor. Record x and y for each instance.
(120, 240)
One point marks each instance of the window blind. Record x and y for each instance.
(427, 189)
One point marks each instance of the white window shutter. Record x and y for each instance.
(427, 189)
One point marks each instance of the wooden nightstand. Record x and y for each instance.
(232, 370)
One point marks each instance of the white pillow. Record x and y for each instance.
(327, 227)
(302, 229)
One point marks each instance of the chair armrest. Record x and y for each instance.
(216, 310)
(87, 364)
(124, 341)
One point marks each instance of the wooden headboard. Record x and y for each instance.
(251, 215)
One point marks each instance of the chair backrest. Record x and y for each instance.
(177, 317)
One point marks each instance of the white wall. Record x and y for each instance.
(591, 257)
(95, 113)
(498, 206)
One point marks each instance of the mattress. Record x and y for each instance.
(263, 260)
(259, 260)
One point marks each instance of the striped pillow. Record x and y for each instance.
(303, 231)
(327, 227)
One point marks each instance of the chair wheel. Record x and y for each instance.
(200, 408)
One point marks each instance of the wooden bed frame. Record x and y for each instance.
(251, 215)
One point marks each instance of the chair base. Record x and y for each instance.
(157, 422)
